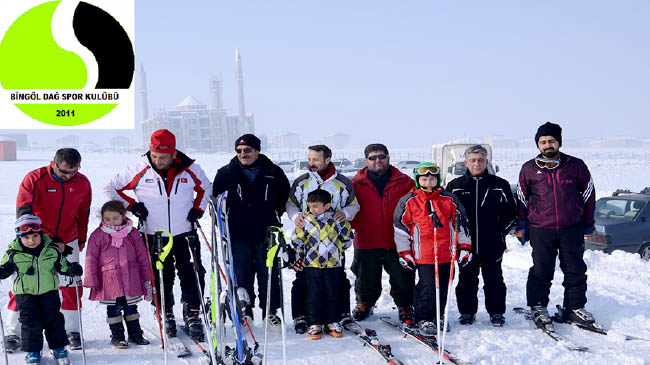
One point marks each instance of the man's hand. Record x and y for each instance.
(522, 231)
(194, 215)
(139, 210)
(148, 295)
(75, 269)
(339, 216)
(300, 221)
(67, 250)
(406, 260)
(81, 246)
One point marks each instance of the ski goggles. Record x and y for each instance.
(29, 228)
(427, 170)
(67, 172)
(545, 163)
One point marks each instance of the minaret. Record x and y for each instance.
(216, 92)
(240, 92)
(144, 103)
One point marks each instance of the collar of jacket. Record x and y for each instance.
(180, 164)
(327, 173)
(469, 176)
(396, 174)
(263, 162)
(323, 217)
(427, 194)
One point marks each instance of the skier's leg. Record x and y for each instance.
(68, 285)
(299, 295)
(185, 268)
(424, 297)
(315, 295)
(402, 281)
(443, 272)
(467, 288)
(493, 285)
(261, 271)
(53, 321)
(545, 245)
(334, 284)
(573, 266)
(12, 324)
(31, 322)
(366, 266)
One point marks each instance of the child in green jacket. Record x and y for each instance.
(36, 263)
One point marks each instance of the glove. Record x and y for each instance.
(464, 257)
(75, 269)
(297, 264)
(590, 231)
(148, 295)
(140, 211)
(7, 269)
(67, 250)
(194, 215)
(522, 231)
(406, 260)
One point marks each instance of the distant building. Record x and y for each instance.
(286, 141)
(70, 140)
(19, 138)
(119, 143)
(7, 149)
(337, 141)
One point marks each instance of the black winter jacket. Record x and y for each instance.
(490, 208)
(252, 206)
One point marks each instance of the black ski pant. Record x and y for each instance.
(424, 297)
(250, 262)
(493, 285)
(324, 294)
(38, 313)
(367, 266)
(547, 244)
(299, 295)
(180, 258)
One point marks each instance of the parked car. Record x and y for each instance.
(359, 163)
(622, 223)
(407, 166)
(344, 166)
(286, 166)
(300, 167)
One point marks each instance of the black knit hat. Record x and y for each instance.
(249, 140)
(549, 129)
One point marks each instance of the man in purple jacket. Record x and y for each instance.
(556, 202)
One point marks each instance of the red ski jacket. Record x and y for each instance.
(373, 224)
(62, 207)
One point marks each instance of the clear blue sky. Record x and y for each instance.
(408, 73)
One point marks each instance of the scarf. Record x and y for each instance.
(117, 233)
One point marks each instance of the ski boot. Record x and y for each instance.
(61, 356)
(466, 319)
(245, 305)
(541, 318)
(427, 328)
(334, 330)
(346, 318)
(361, 312)
(315, 332)
(117, 333)
(12, 343)
(33, 357)
(75, 340)
(497, 320)
(274, 323)
(191, 316)
(300, 325)
(134, 330)
(170, 324)
(405, 316)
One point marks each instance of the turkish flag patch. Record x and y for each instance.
(183, 179)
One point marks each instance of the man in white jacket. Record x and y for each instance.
(171, 195)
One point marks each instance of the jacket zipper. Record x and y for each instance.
(159, 188)
(476, 214)
(557, 217)
(38, 274)
(266, 193)
(60, 209)
(178, 181)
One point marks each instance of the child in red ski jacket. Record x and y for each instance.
(416, 240)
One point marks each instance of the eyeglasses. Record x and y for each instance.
(375, 157)
(428, 169)
(29, 227)
(243, 150)
(159, 147)
(545, 163)
(67, 172)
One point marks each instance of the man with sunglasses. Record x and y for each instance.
(257, 191)
(171, 192)
(378, 188)
(556, 202)
(491, 211)
(60, 196)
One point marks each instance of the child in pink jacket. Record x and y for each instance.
(117, 273)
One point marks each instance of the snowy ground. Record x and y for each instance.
(618, 293)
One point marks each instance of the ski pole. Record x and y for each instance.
(161, 255)
(270, 257)
(215, 286)
(4, 341)
(451, 277)
(81, 327)
(198, 226)
(141, 224)
(434, 218)
(284, 330)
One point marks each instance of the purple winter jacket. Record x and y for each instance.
(558, 198)
(115, 272)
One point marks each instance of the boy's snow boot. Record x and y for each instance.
(191, 316)
(541, 317)
(427, 327)
(61, 356)
(300, 325)
(315, 331)
(334, 330)
(170, 324)
(405, 315)
(580, 316)
(467, 319)
(134, 330)
(12, 343)
(498, 320)
(33, 357)
(75, 340)
(361, 312)
(345, 319)
(117, 332)
(274, 323)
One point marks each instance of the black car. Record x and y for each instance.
(622, 223)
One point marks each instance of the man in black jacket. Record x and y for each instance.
(257, 192)
(491, 211)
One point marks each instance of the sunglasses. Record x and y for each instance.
(243, 150)
(159, 147)
(67, 172)
(544, 163)
(29, 227)
(425, 170)
(375, 157)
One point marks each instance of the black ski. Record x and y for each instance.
(369, 338)
(551, 333)
(596, 327)
(429, 341)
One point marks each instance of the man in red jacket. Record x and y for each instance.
(378, 188)
(60, 196)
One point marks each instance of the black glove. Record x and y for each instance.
(67, 250)
(7, 269)
(75, 269)
(194, 215)
(140, 211)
